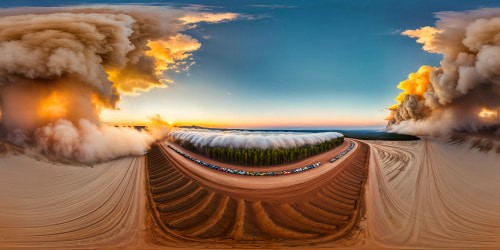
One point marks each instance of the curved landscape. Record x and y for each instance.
(198, 209)
(249, 124)
(434, 193)
(433, 198)
(70, 206)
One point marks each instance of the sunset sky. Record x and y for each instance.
(288, 64)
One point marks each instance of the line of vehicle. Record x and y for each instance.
(259, 173)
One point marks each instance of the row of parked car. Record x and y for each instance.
(334, 159)
(242, 172)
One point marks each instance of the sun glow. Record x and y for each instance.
(489, 114)
(53, 107)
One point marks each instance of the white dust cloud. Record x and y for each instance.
(243, 139)
(59, 67)
(456, 95)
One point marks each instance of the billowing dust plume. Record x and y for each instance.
(59, 67)
(463, 94)
(243, 139)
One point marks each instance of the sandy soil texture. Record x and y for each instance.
(195, 206)
(284, 187)
(47, 205)
(323, 157)
(432, 193)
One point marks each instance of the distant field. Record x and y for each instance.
(376, 135)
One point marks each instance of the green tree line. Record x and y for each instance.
(262, 157)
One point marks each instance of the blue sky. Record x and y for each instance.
(324, 63)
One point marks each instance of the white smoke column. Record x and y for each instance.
(466, 86)
(86, 142)
(243, 139)
(59, 67)
(158, 128)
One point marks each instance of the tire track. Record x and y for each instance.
(320, 214)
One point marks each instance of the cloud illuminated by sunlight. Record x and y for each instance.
(196, 17)
(170, 54)
(416, 84)
(53, 107)
(425, 36)
(490, 114)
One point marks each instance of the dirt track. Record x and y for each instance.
(434, 193)
(323, 158)
(193, 205)
(61, 206)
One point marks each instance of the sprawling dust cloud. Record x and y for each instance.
(463, 94)
(241, 139)
(59, 67)
(158, 128)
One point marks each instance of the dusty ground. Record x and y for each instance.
(263, 187)
(50, 205)
(433, 193)
(323, 158)
(194, 205)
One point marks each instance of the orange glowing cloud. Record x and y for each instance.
(425, 36)
(171, 53)
(53, 107)
(416, 84)
(196, 17)
(490, 114)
